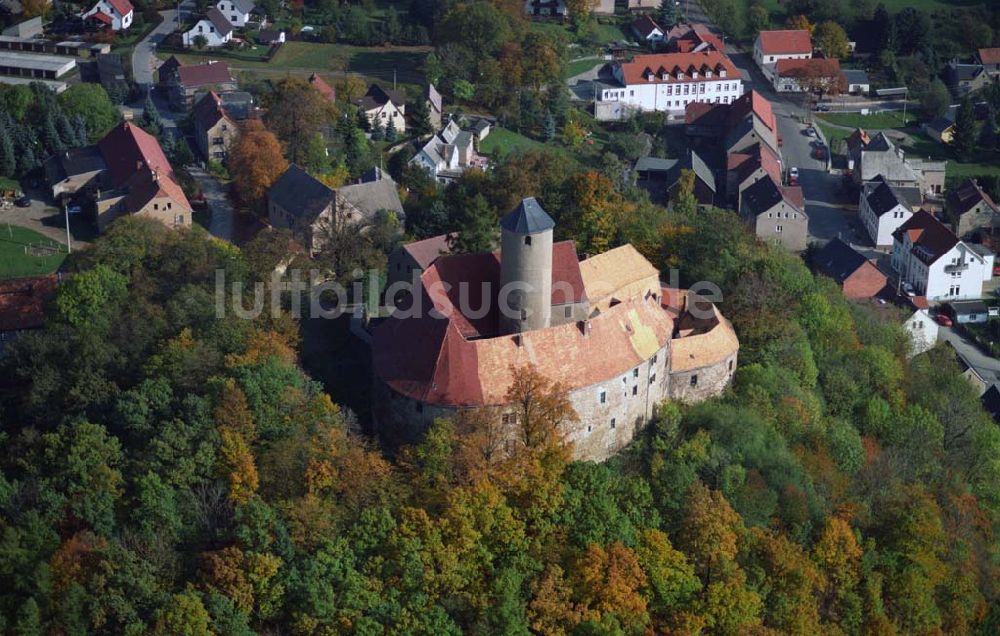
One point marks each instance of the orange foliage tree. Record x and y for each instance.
(256, 162)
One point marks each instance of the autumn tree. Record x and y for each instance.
(682, 198)
(609, 581)
(831, 38)
(799, 22)
(256, 162)
(297, 114)
(541, 408)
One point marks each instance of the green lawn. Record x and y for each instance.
(507, 141)
(7, 183)
(875, 121)
(775, 8)
(23, 253)
(580, 66)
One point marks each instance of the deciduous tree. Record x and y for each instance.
(256, 162)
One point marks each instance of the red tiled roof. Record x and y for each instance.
(798, 68)
(989, 56)
(736, 159)
(128, 148)
(123, 7)
(22, 301)
(208, 111)
(426, 251)
(322, 87)
(204, 74)
(146, 185)
(760, 156)
(100, 16)
(785, 42)
(794, 195)
(635, 72)
(705, 114)
(753, 102)
(919, 302)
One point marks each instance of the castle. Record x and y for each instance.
(604, 327)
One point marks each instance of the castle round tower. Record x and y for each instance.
(525, 268)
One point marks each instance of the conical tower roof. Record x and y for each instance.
(527, 218)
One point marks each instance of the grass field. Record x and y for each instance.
(503, 141)
(580, 66)
(875, 121)
(16, 258)
(774, 6)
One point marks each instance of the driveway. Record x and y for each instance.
(143, 55)
(48, 220)
(221, 209)
(985, 366)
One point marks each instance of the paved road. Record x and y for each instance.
(987, 367)
(47, 220)
(143, 55)
(219, 206)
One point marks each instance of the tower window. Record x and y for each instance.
(612, 422)
(635, 390)
(694, 380)
(527, 240)
(569, 311)
(604, 397)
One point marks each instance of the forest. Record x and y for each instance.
(167, 471)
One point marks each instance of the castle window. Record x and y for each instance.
(508, 418)
(527, 240)
(635, 389)
(694, 380)
(604, 397)
(652, 378)
(568, 311)
(730, 365)
(588, 428)
(653, 361)
(635, 372)
(612, 423)
(524, 314)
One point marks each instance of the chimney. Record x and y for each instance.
(156, 175)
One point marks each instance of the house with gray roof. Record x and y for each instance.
(300, 203)
(434, 106)
(776, 213)
(884, 207)
(236, 11)
(970, 210)
(383, 106)
(879, 157)
(964, 78)
(449, 153)
(857, 81)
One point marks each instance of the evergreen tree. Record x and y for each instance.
(8, 160)
(378, 133)
(29, 620)
(150, 120)
(66, 131)
(476, 227)
(965, 130)
(28, 160)
(362, 121)
(80, 126)
(421, 117)
(390, 132)
(549, 127)
(668, 14)
(50, 135)
(988, 133)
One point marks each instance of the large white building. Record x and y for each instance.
(772, 46)
(928, 256)
(883, 208)
(668, 82)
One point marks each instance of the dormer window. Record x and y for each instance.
(680, 75)
(708, 74)
(722, 72)
(694, 75)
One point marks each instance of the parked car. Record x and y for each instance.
(943, 320)
(23, 202)
(810, 132)
(823, 108)
(793, 176)
(820, 153)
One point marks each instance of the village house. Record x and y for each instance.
(964, 78)
(270, 37)
(407, 262)
(302, 204)
(647, 30)
(920, 326)
(546, 8)
(815, 75)
(604, 328)
(692, 38)
(940, 129)
(745, 168)
(185, 83)
(147, 193)
(660, 177)
(858, 277)
(772, 46)
(214, 27)
(776, 213)
(869, 158)
(884, 207)
(668, 82)
(611, 7)
(115, 14)
(448, 154)
(971, 211)
(237, 12)
(435, 106)
(990, 59)
(214, 130)
(857, 81)
(931, 258)
(383, 106)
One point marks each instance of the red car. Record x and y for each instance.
(943, 320)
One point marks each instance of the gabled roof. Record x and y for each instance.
(966, 196)
(127, 149)
(378, 96)
(123, 7)
(883, 197)
(989, 56)
(991, 400)
(245, 6)
(146, 185)
(838, 260)
(102, 17)
(371, 196)
(635, 72)
(765, 194)
(932, 237)
(269, 36)
(221, 23)
(434, 97)
(940, 124)
(785, 42)
(814, 66)
(856, 76)
(758, 156)
(527, 218)
(209, 111)
(204, 74)
(426, 251)
(322, 87)
(753, 102)
(22, 301)
(644, 26)
(298, 193)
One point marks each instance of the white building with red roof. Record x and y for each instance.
(214, 27)
(116, 14)
(772, 46)
(668, 82)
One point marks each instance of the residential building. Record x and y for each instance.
(30, 28)
(115, 14)
(214, 27)
(187, 82)
(878, 156)
(776, 213)
(270, 37)
(919, 325)
(940, 129)
(603, 328)
(970, 210)
(668, 82)
(435, 106)
(546, 8)
(659, 177)
(931, 258)
(611, 7)
(964, 78)
(772, 46)
(743, 169)
(167, 72)
(968, 311)
(407, 262)
(384, 106)
(448, 154)
(857, 81)
(884, 207)
(214, 130)
(858, 277)
(990, 59)
(647, 30)
(692, 38)
(735, 127)
(237, 12)
(991, 402)
(310, 209)
(75, 171)
(147, 193)
(809, 75)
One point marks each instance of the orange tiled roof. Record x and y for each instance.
(673, 64)
(990, 56)
(787, 42)
(798, 68)
(127, 149)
